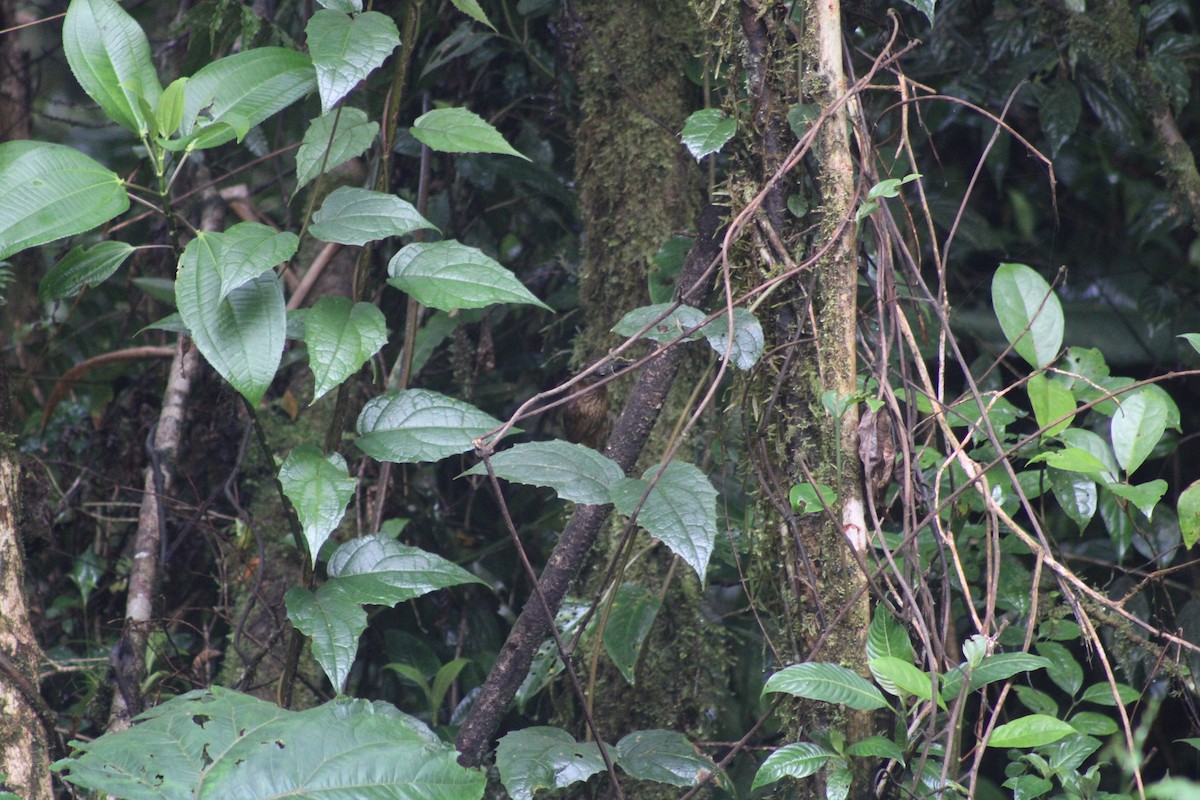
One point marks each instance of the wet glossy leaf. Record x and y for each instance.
(706, 131)
(828, 682)
(1031, 731)
(797, 760)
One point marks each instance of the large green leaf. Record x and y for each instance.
(457, 130)
(996, 667)
(341, 336)
(319, 487)
(667, 329)
(1059, 110)
(357, 216)
(1076, 494)
(419, 425)
(828, 682)
(544, 758)
(52, 191)
(887, 637)
(1053, 404)
(905, 678)
(333, 621)
(326, 146)
(1138, 424)
(663, 756)
(218, 744)
(575, 472)
(1029, 313)
(748, 340)
(110, 57)
(379, 570)
(1064, 669)
(449, 275)
(242, 90)
(797, 760)
(630, 620)
(242, 335)
(1031, 731)
(83, 267)
(706, 131)
(680, 510)
(345, 50)
(249, 249)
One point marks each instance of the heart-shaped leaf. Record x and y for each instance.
(419, 425)
(357, 216)
(333, 621)
(332, 140)
(544, 758)
(680, 510)
(341, 336)
(319, 487)
(346, 49)
(706, 131)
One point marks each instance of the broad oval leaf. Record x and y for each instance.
(332, 140)
(667, 329)
(1030, 731)
(1138, 423)
(1002, 666)
(345, 50)
(241, 336)
(110, 57)
(319, 487)
(575, 472)
(1076, 494)
(905, 677)
(887, 637)
(680, 510)
(630, 621)
(1144, 495)
(333, 621)
(357, 216)
(341, 336)
(419, 425)
(797, 760)
(1053, 404)
(242, 90)
(1029, 313)
(83, 267)
(544, 758)
(828, 682)
(249, 249)
(449, 275)
(52, 191)
(706, 131)
(1064, 669)
(379, 570)
(457, 130)
(748, 339)
(663, 756)
(1189, 514)
(1095, 445)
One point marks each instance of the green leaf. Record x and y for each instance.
(81, 267)
(1193, 339)
(996, 667)
(110, 57)
(457, 130)
(1031, 731)
(377, 569)
(1063, 668)
(326, 146)
(669, 328)
(449, 275)
(891, 186)
(797, 760)
(663, 756)
(419, 425)
(1174, 789)
(242, 335)
(247, 250)
(1099, 448)
(341, 336)
(1138, 424)
(169, 113)
(905, 677)
(1028, 787)
(1073, 459)
(241, 91)
(1053, 404)
(1101, 694)
(221, 744)
(544, 758)
(876, 747)
(52, 191)
(1076, 494)
(887, 637)
(1029, 313)
(1189, 514)
(1144, 495)
(828, 682)
(471, 9)
(706, 131)
(576, 473)
(680, 510)
(748, 341)
(1094, 723)
(345, 50)
(345, 6)
(809, 499)
(838, 778)
(1058, 113)
(319, 486)
(333, 621)
(632, 617)
(357, 216)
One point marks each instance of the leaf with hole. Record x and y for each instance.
(1029, 313)
(449, 275)
(357, 216)
(52, 191)
(680, 510)
(457, 130)
(576, 473)
(340, 337)
(544, 758)
(345, 50)
(830, 683)
(319, 487)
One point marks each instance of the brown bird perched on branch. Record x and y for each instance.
(585, 416)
